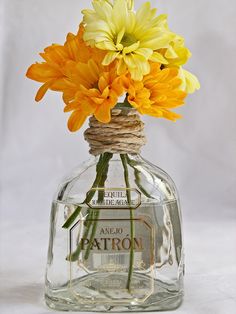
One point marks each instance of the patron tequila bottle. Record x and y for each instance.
(115, 236)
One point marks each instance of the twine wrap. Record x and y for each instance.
(124, 134)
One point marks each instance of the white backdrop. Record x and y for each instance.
(199, 152)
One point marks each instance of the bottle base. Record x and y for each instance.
(168, 304)
(163, 297)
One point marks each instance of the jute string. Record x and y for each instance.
(124, 134)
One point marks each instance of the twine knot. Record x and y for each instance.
(124, 134)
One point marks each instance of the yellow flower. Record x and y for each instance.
(157, 93)
(132, 38)
(176, 54)
(96, 91)
(190, 82)
(52, 72)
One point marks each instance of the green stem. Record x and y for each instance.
(97, 212)
(74, 256)
(94, 229)
(124, 159)
(92, 218)
(100, 169)
(124, 104)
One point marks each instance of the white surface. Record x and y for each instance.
(210, 281)
(199, 151)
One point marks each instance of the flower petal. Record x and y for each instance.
(42, 72)
(145, 52)
(157, 57)
(190, 81)
(103, 114)
(110, 57)
(42, 91)
(122, 67)
(76, 120)
(106, 45)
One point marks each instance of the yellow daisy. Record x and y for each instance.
(133, 38)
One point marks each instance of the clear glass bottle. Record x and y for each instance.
(115, 238)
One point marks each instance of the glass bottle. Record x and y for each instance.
(115, 238)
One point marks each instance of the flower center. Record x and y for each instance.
(95, 85)
(128, 40)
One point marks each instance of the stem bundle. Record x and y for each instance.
(92, 215)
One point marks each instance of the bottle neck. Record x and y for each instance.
(119, 157)
(123, 135)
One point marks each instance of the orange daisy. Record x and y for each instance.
(97, 89)
(53, 71)
(158, 93)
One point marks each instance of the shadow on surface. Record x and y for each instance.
(25, 294)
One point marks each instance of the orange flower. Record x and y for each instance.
(79, 50)
(97, 89)
(75, 70)
(52, 72)
(157, 93)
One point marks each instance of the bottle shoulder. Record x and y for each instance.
(164, 187)
(151, 181)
